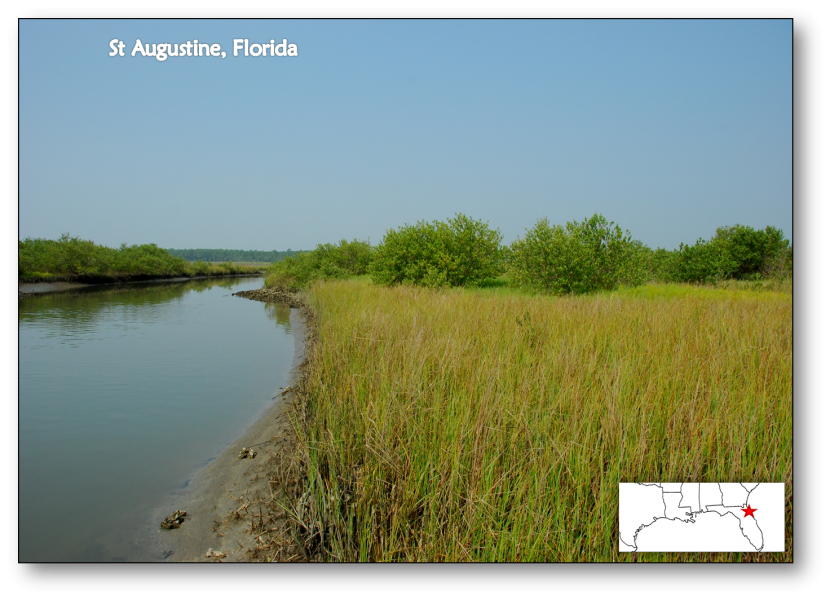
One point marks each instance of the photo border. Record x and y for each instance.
(807, 338)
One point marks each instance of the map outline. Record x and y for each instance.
(690, 512)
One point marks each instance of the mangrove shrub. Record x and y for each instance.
(737, 252)
(580, 257)
(326, 261)
(458, 252)
(75, 257)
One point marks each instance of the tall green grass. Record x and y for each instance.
(482, 425)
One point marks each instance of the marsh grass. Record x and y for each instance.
(490, 425)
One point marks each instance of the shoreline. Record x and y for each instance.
(29, 289)
(228, 499)
(232, 504)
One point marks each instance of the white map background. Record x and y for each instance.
(701, 517)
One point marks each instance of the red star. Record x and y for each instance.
(749, 511)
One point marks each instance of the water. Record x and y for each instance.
(125, 393)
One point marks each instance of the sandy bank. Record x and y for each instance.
(224, 500)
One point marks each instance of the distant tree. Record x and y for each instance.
(218, 255)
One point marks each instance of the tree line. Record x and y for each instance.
(84, 258)
(218, 255)
(73, 257)
(578, 257)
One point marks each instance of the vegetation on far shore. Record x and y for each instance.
(71, 258)
(237, 256)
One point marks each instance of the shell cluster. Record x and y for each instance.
(247, 453)
(174, 521)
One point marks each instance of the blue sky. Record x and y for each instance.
(670, 128)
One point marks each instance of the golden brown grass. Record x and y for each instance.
(491, 426)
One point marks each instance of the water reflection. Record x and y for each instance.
(70, 314)
(125, 391)
(136, 294)
(280, 314)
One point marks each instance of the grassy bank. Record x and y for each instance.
(488, 425)
(73, 259)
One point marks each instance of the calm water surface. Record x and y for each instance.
(125, 393)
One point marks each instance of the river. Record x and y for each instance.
(125, 393)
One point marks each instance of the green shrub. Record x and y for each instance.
(577, 258)
(634, 268)
(459, 252)
(737, 252)
(200, 267)
(67, 255)
(661, 265)
(73, 256)
(705, 262)
(147, 259)
(327, 261)
(753, 252)
(350, 258)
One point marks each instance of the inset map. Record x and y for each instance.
(701, 517)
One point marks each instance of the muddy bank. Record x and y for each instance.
(28, 289)
(31, 289)
(127, 278)
(235, 507)
(281, 296)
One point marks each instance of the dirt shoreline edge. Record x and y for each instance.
(235, 506)
(29, 289)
